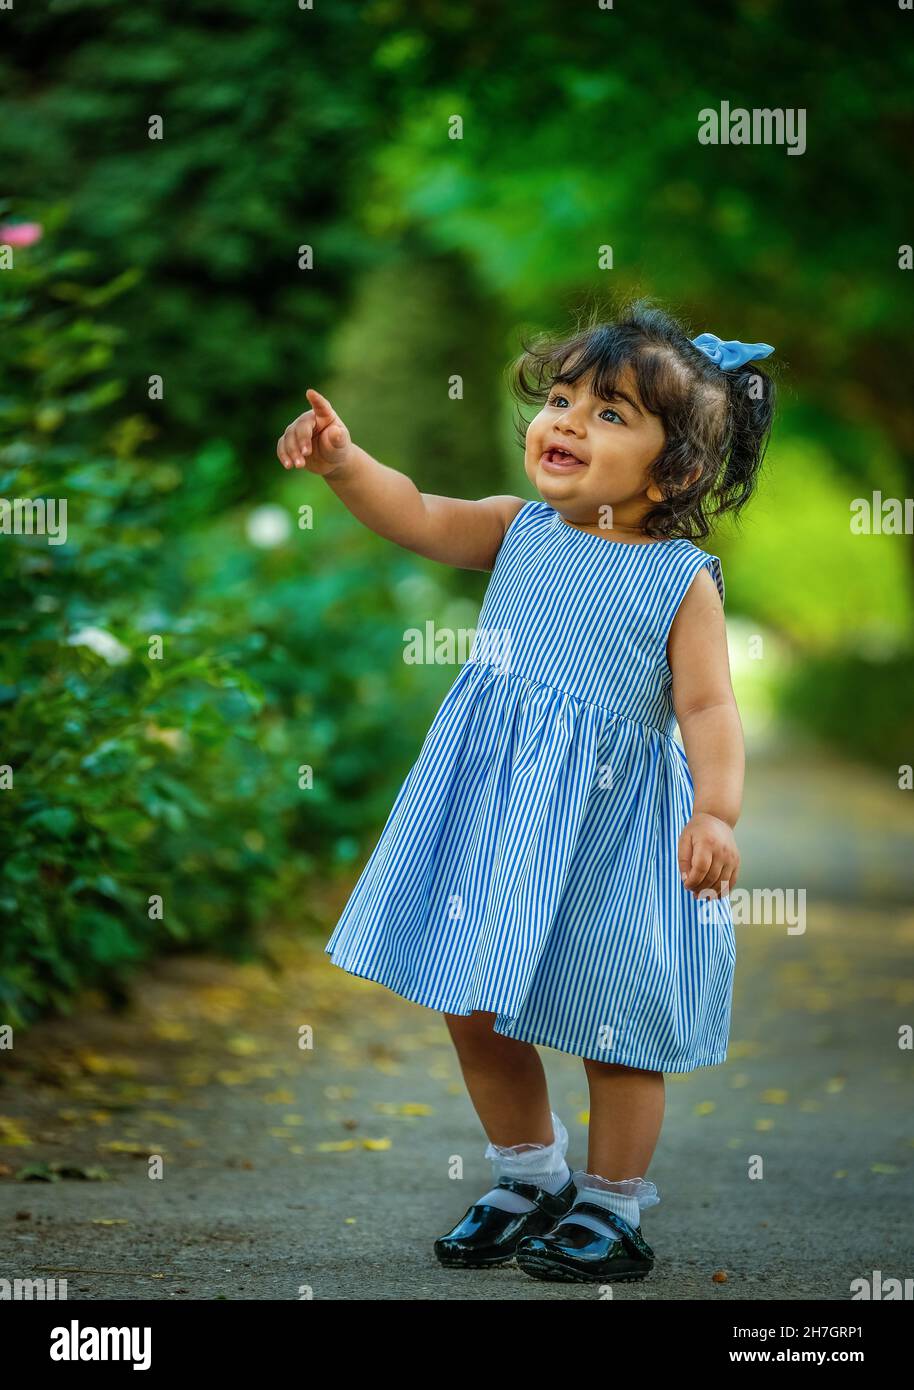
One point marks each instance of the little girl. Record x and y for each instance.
(555, 869)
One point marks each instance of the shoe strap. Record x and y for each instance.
(631, 1238)
(551, 1203)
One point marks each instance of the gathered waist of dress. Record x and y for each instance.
(502, 672)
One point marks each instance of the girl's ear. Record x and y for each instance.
(656, 495)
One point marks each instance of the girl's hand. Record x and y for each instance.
(317, 440)
(708, 857)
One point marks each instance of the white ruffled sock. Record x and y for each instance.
(542, 1164)
(628, 1197)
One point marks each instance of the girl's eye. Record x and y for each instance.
(560, 402)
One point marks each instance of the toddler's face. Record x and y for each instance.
(584, 452)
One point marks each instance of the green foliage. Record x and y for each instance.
(804, 572)
(329, 127)
(136, 777)
(434, 326)
(263, 135)
(857, 702)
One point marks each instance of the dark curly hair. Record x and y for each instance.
(716, 422)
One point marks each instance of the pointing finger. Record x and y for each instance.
(323, 410)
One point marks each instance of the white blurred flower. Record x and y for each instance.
(102, 643)
(268, 526)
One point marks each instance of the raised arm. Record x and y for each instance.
(712, 735)
(456, 531)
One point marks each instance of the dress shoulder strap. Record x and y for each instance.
(705, 560)
(679, 576)
(523, 520)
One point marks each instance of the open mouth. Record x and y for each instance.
(562, 459)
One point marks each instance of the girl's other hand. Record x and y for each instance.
(317, 440)
(708, 858)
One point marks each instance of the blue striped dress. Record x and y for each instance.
(528, 867)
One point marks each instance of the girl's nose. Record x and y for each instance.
(573, 416)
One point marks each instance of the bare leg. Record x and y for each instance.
(505, 1079)
(626, 1115)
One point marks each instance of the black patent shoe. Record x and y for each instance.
(576, 1254)
(488, 1236)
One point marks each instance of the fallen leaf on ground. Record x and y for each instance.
(12, 1133)
(99, 1065)
(131, 1146)
(408, 1107)
(171, 1030)
(37, 1172)
(773, 1096)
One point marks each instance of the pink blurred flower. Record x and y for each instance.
(21, 233)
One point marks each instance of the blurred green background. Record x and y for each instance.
(137, 778)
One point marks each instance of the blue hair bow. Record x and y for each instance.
(732, 353)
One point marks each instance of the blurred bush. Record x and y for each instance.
(416, 325)
(840, 603)
(857, 702)
(133, 779)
